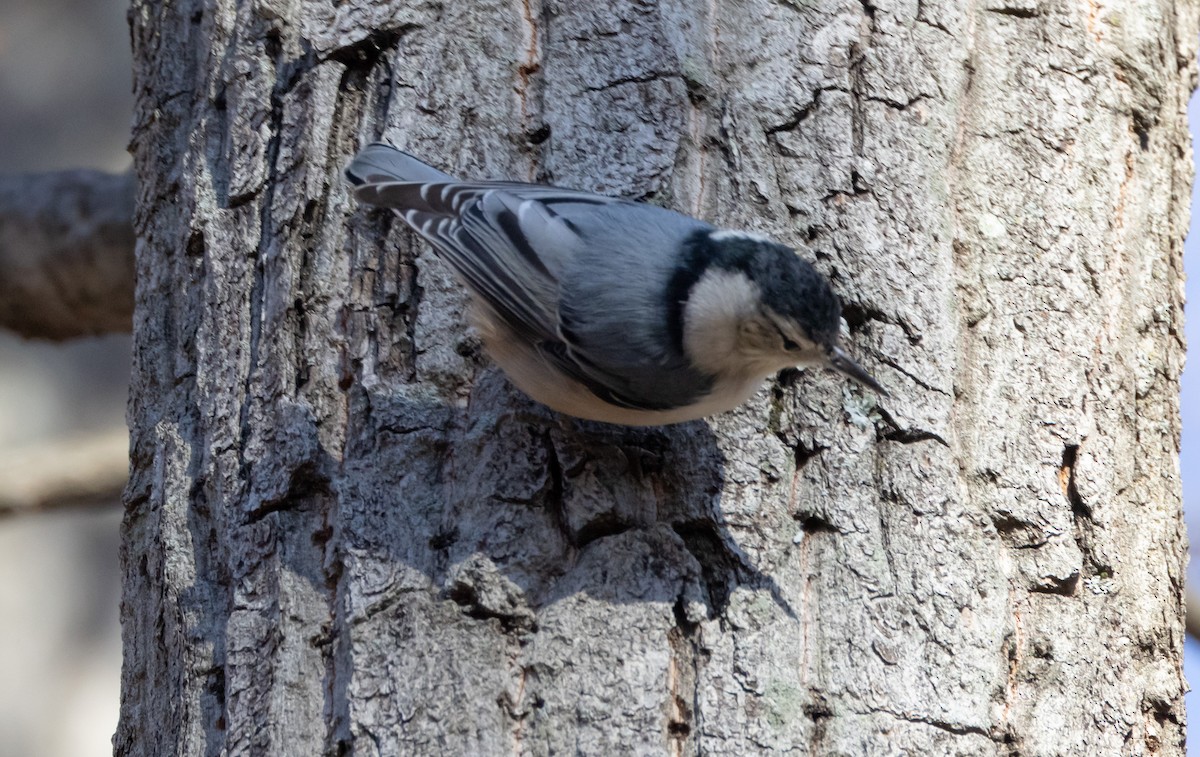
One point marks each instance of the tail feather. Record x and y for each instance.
(378, 163)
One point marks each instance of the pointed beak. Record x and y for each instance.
(845, 364)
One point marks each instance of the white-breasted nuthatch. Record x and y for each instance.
(614, 310)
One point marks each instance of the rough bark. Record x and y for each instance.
(66, 253)
(346, 533)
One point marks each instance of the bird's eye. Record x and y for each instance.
(788, 344)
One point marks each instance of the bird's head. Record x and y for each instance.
(757, 307)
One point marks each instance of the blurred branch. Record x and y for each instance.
(66, 253)
(65, 472)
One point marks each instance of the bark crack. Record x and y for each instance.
(1083, 519)
(920, 16)
(908, 435)
(958, 729)
(803, 113)
(1015, 643)
(555, 503)
(912, 376)
(641, 79)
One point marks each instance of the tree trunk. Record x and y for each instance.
(346, 533)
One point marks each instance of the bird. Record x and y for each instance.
(613, 310)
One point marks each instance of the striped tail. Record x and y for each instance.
(380, 163)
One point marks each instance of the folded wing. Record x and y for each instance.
(525, 250)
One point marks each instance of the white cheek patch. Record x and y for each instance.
(719, 303)
(727, 234)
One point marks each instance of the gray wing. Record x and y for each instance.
(530, 252)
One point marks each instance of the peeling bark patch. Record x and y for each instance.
(1165, 720)
(914, 435)
(481, 603)
(306, 483)
(811, 523)
(1017, 533)
(1061, 585)
(683, 673)
(820, 714)
(807, 516)
(366, 53)
(1017, 11)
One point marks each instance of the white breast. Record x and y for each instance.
(542, 381)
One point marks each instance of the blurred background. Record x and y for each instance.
(65, 103)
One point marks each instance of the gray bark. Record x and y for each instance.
(345, 532)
